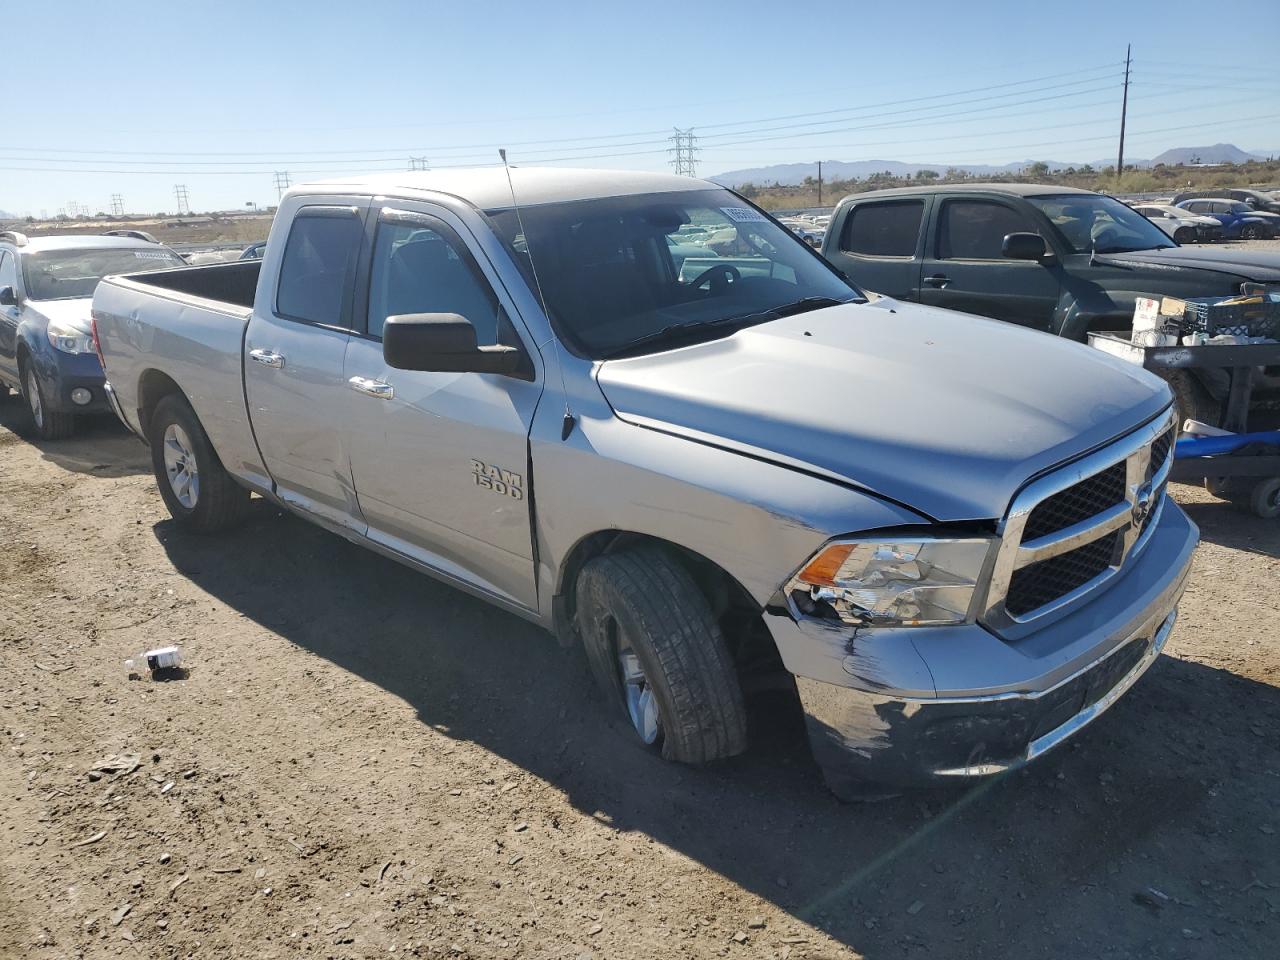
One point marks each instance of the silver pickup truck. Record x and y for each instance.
(636, 410)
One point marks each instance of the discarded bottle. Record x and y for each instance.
(161, 658)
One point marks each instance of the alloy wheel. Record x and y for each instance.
(642, 706)
(180, 466)
(33, 399)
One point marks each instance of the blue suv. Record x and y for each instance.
(46, 334)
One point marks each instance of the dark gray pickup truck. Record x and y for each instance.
(1056, 259)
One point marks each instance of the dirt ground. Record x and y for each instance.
(363, 762)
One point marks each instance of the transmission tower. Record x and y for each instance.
(684, 151)
(418, 163)
(117, 205)
(180, 193)
(282, 182)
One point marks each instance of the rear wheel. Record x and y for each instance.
(1251, 231)
(658, 653)
(48, 424)
(200, 494)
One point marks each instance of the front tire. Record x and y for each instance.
(657, 651)
(1184, 235)
(200, 494)
(1251, 231)
(48, 424)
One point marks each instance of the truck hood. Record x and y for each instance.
(944, 412)
(1259, 265)
(75, 313)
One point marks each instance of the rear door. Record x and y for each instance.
(880, 245)
(965, 269)
(441, 460)
(294, 351)
(9, 317)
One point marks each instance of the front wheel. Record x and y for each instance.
(200, 494)
(657, 651)
(1184, 235)
(1251, 231)
(1264, 499)
(49, 424)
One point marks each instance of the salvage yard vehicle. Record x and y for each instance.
(1056, 259)
(1239, 220)
(1182, 226)
(949, 536)
(46, 352)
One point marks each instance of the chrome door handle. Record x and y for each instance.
(937, 280)
(373, 388)
(267, 357)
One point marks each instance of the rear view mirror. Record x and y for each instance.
(8, 297)
(1024, 246)
(443, 342)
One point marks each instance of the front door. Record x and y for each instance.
(294, 351)
(965, 269)
(9, 316)
(440, 461)
(879, 246)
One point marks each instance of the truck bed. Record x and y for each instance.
(185, 327)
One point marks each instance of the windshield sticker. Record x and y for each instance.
(744, 215)
(150, 255)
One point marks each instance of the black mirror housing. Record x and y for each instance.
(444, 343)
(1024, 246)
(8, 297)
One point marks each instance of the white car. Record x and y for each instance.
(1182, 225)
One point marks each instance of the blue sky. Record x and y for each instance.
(218, 96)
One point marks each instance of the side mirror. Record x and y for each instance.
(1024, 246)
(8, 297)
(443, 342)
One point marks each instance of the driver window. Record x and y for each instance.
(8, 271)
(419, 268)
(975, 229)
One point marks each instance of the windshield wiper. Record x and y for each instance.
(678, 331)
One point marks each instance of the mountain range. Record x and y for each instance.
(790, 174)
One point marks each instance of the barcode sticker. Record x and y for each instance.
(743, 215)
(150, 255)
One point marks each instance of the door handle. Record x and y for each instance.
(937, 280)
(373, 388)
(267, 357)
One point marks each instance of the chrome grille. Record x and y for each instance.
(1070, 531)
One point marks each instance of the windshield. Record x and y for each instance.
(1093, 223)
(70, 274)
(654, 267)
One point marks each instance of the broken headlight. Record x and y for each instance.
(894, 582)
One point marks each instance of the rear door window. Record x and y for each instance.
(975, 229)
(883, 229)
(318, 266)
(8, 270)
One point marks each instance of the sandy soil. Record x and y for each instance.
(363, 762)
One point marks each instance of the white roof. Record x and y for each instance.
(486, 187)
(83, 242)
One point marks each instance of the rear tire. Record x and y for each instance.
(1191, 400)
(1264, 498)
(1251, 231)
(47, 424)
(200, 494)
(650, 633)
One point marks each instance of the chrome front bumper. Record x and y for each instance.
(909, 706)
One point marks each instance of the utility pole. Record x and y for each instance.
(418, 163)
(1124, 107)
(684, 152)
(819, 183)
(180, 194)
(117, 205)
(282, 182)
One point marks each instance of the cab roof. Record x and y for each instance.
(81, 242)
(1010, 189)
(487, 189)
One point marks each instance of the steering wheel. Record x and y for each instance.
(718, 277)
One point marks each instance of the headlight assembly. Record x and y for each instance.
(69, 338)
(894, 581)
